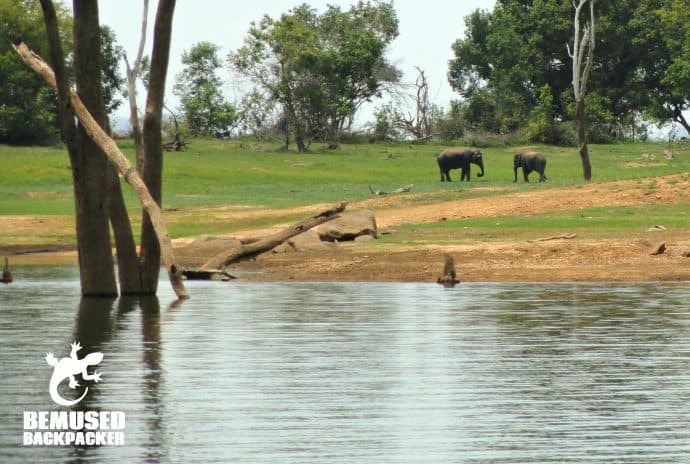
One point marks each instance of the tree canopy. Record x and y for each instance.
(508, 55)
(199, 88)
(27, 104)
(320, 68)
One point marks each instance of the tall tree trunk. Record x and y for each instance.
(91, 165)
(582, 139)
(132, 75)
(128, 271)
(584, 40)
(680, 119)
(69, 106)
(150, 254)
(134, 121)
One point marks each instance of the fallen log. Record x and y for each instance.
(191, 274)
(254, 248)
(553, 237)
(403, 189)
(659, 249)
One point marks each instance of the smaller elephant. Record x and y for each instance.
(459, 158)
(529, 162)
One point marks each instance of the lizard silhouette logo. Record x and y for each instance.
(67, 368)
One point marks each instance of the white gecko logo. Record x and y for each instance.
(67, 368)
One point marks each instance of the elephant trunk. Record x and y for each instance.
(515, 169)
(481, 165)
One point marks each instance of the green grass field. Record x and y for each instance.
(37, 180)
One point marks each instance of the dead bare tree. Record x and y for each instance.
(96, 185)
(117, 158)
(132, 75)
(150, 251)
(89, 164)
(583, 40)
(419, 124)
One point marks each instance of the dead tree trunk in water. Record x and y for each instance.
(582, 41)
(150, 252)
(89, 164)
(69, 106)
(119, 160)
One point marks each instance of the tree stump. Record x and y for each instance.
(6, 273)
(448, 278)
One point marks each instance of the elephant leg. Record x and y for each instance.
(525, 173)
(542, 177)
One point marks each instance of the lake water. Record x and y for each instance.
(359, 372)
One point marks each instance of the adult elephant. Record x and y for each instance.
(459, 158)
(529, 162)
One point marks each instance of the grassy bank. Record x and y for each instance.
(37, 181)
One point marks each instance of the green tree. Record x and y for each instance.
(198, 86)
(672, 91)
(27, 105)
(508, 54)
(113, 80)
(320, 69)
(505, 58)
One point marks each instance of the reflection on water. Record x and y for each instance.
(360, 373)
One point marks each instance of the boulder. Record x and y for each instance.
(308, 241)
(348, 227)
(203, 248)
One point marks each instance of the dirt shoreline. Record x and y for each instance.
(580, 259)
(552, 261)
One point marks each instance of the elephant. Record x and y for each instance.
(529, 162)
(459, 158)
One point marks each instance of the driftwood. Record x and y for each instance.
(6, 273)
(448, 278)
(191, 274)
(403, 189)
(423, 139)
(120, 161)
(377, 192)
(660, 249)
(176, 144)
(256, 247)
(553, 237)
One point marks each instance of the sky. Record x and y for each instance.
(427, 30)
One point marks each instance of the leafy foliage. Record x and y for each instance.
(205, 109)
(112, 77)
(320, 68)
(27, 106)
(507, 55)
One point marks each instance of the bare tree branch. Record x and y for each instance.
(132, 75)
